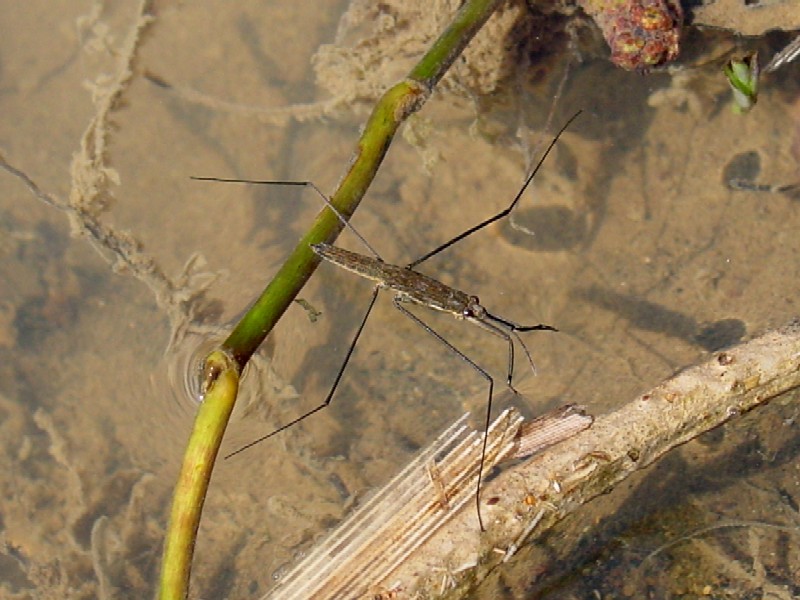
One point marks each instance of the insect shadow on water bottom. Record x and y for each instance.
(412, 287)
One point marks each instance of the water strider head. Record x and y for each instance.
(474, 309)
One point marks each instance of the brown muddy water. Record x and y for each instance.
(631, 242)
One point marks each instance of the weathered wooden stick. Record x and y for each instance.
(529, 498)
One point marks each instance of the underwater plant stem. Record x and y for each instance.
(220, 386)
(400, 101)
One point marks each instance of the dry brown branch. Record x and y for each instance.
(530, 498)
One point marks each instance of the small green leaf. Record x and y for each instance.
(743, 78)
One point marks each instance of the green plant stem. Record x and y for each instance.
(221, 383)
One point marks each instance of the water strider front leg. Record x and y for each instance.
(476, 313)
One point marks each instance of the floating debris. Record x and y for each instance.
(642, 34)
(790, 52)
(398, 520)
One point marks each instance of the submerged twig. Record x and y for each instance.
(176, 296)
(560, 480)
(91, 178)
(356, 560)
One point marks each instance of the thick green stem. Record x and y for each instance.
(223, 366)
(220, 386)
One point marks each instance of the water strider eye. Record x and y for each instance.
(473, 308)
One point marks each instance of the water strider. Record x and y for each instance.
(412, 287)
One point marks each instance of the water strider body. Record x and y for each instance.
(417, 288)
(407, 284)
(412, 287)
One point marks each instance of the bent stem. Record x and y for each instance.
(222, 367)
(221, 383)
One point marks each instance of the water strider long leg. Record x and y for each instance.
(503, 212)
(336, 381)
(309, 184)
(439, 248)
(506, 331)
(506, 335)
(482, 372)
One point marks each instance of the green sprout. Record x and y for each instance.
(743, 78)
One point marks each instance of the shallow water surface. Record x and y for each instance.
(631, 242)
